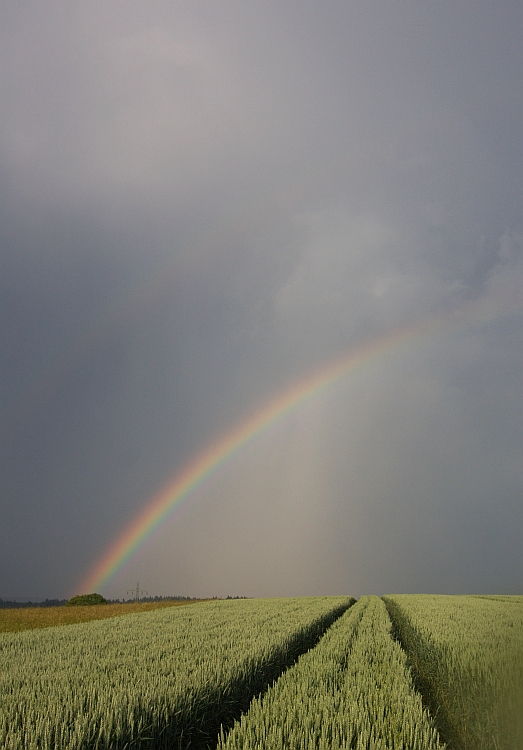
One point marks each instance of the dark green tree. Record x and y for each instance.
(86, 599)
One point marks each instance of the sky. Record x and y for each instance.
(204, 203)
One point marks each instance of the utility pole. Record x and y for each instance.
(137, 593)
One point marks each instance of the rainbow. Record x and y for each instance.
(205, 465)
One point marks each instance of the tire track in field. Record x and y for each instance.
(206, 736)
(225, 728)
(421, 681)
(354, 689)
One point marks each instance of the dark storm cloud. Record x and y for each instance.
(201, 203)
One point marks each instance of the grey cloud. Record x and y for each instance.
(202, 204)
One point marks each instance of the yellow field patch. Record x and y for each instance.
(27, 618)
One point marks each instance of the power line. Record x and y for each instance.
(137, 593)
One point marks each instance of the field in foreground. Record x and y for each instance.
(163, 679)
(28, 618)
(467, 654)
(401, 672)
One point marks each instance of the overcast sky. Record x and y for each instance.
(202, 203)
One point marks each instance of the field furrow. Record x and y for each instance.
(353, 690)
(162, 679)
(467, 656)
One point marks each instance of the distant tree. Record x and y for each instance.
(12, 604)
(86, 599)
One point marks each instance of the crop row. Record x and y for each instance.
(467, 654)
(354, 690)
(167, 678)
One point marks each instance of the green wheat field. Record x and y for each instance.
(415, 672)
